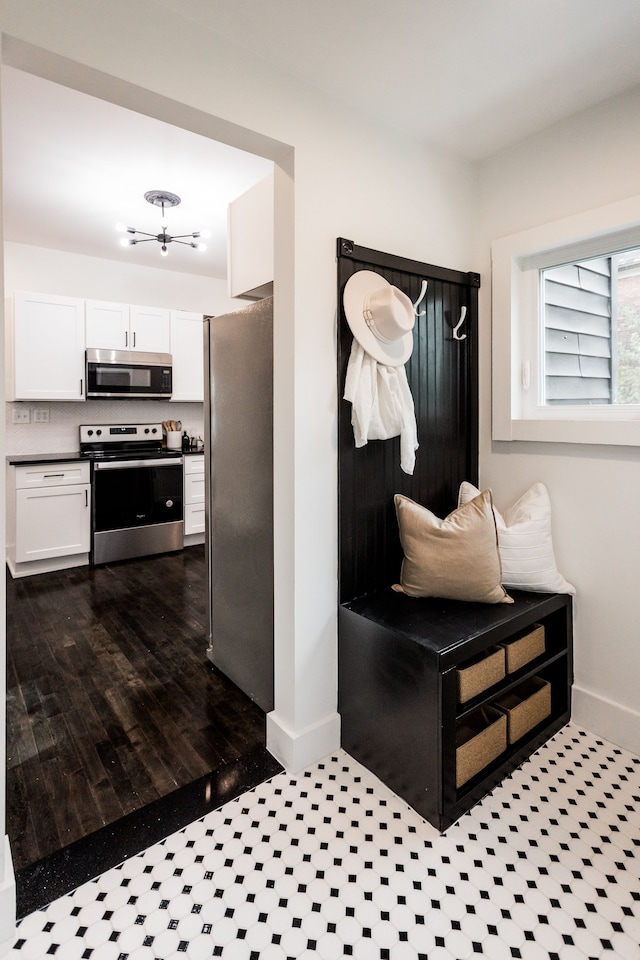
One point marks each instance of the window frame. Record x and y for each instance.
(516, 262)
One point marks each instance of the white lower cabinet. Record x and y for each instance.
(52, 514)
(194, 495)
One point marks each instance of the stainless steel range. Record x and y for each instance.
(137, 491)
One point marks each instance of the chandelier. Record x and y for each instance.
(165, 200)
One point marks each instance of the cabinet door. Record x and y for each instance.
(149, 329)
(48, 347)
(52, 522)
(107, 325)
(187, 352)
(250, 247)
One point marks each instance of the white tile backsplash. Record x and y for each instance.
(60, 434)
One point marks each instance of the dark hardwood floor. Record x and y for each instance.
(111, 701)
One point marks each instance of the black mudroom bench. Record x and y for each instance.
(402, 663)
(426, 700)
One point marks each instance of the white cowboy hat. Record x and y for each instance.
(380, 316)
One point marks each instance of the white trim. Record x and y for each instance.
(609, 241)
(620, 725)
(297, 750)
(515, 260)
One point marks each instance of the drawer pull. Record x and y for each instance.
(48, 475)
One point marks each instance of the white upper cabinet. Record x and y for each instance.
(250, 242)
(149, 329)
(187, 353)
(48, 348)
(119, 326)
(107, 325)
(47, 337)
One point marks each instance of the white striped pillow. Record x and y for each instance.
(524, 541)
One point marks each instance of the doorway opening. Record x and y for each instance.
(141, 101)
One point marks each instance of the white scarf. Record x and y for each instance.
(382, 405)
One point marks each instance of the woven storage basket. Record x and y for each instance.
(525, 707)
(522, 650)
(477, 675)
(480, 739)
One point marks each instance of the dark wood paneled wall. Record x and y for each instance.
(442, 375)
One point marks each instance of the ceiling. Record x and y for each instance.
(466, 76)
(73, 166)
(470, 76)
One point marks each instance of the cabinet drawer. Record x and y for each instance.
(194, 518)
(525, 707)
(194, 465)
(194, 488)
(51, 474)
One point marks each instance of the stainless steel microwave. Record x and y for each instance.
(127, 373)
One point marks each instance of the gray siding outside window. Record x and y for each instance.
(579, 341)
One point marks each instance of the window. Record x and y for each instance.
(566, 330)
(591, 324)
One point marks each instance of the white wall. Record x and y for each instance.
(350, 178)
(40, 270)
(586, 162)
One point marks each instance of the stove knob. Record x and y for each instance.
(154, 429)
(168, 503)
(146, 429)
(98, 433)
(89, 433)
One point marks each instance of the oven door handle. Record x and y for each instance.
(137, 464)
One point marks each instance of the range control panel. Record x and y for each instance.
(105, 433)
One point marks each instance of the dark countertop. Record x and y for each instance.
(69, 457)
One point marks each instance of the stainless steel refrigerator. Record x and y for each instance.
(239, 490)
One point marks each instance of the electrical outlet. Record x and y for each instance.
(21, 414)
(41, 416)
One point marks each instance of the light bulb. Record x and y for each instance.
(121, 227)
(163, 251)
(205, 234)
(125, 242)
(201, 247)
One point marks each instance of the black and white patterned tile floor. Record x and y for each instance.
(329, 863)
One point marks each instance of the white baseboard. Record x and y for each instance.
(297, 750)
(191, 539)
(606, 719)
(18, 570)
(7, 903)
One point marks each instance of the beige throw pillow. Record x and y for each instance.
(456, 558)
